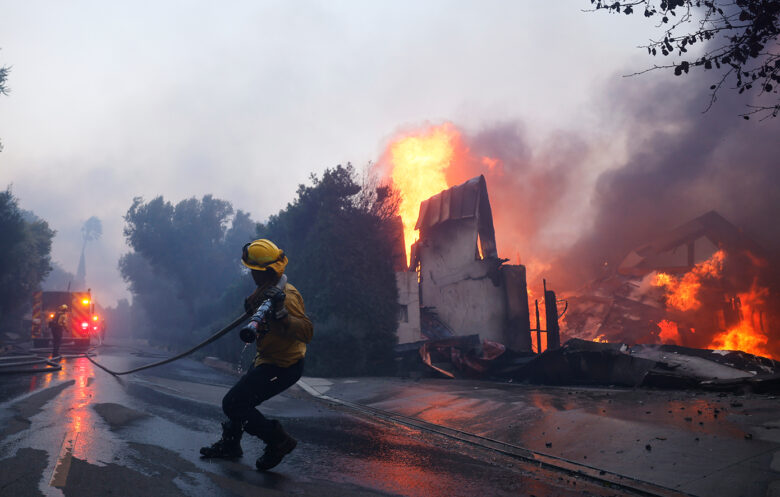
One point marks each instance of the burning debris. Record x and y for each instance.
(701, 285)
(583, 362)
(466, 355)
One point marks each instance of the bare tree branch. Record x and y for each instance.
(741, 37)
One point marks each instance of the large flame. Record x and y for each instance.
(422, 163)
(682, 294)
(747, 335)
(418, 164)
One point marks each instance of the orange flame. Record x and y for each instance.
(669, 332)
(418, 165)
(682, 293)
(748, 335)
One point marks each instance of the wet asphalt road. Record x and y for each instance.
(81, 432)
(699, 443)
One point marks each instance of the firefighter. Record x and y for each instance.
(57, 325)
(278, 363)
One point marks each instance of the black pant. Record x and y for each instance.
(56, 340)
(259, 384)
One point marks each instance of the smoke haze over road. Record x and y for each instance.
(113, 101)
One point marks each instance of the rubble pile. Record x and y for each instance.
(583, 362)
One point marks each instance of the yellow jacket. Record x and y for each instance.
(60, 321)
(285, 342)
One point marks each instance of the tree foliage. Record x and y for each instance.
(3, 77)
(92, 229)
(337, 235)
(185, 259)
(3, 88)
(25, 247)
(740, 39)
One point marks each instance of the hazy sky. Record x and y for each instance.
(112, 100)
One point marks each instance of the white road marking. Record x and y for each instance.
(310, 389)
(59, 476)
(320, 384)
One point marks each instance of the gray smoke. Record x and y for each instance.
(530, 185)
(682, 164)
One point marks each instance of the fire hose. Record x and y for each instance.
(27, 360)
(202, 344)
(250, 330)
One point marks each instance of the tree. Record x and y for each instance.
(25, 247)
(90, 231)
(3, 88)
(336, 234)
(740, 39)
(3, 76)
(155, 299)
(184, 261)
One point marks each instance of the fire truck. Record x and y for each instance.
(83, 325)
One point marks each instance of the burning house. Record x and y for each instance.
(457, 285)
(700, 286)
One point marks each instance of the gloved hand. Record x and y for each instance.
(252, 302)
(277, 296)
(249, 304)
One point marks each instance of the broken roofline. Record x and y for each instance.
(468, 200)
(712, 226)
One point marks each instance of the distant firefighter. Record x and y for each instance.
(57, 325)
(281, 346)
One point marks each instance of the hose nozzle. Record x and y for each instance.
(249, 332)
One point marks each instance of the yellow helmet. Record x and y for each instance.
(63, 307)
(263, 254)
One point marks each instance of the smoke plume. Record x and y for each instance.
(681, 163)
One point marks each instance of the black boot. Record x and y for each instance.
(227, 447)
(278, 445)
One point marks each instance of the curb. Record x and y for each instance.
(605, 478)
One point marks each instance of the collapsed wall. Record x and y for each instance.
(456, 284)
